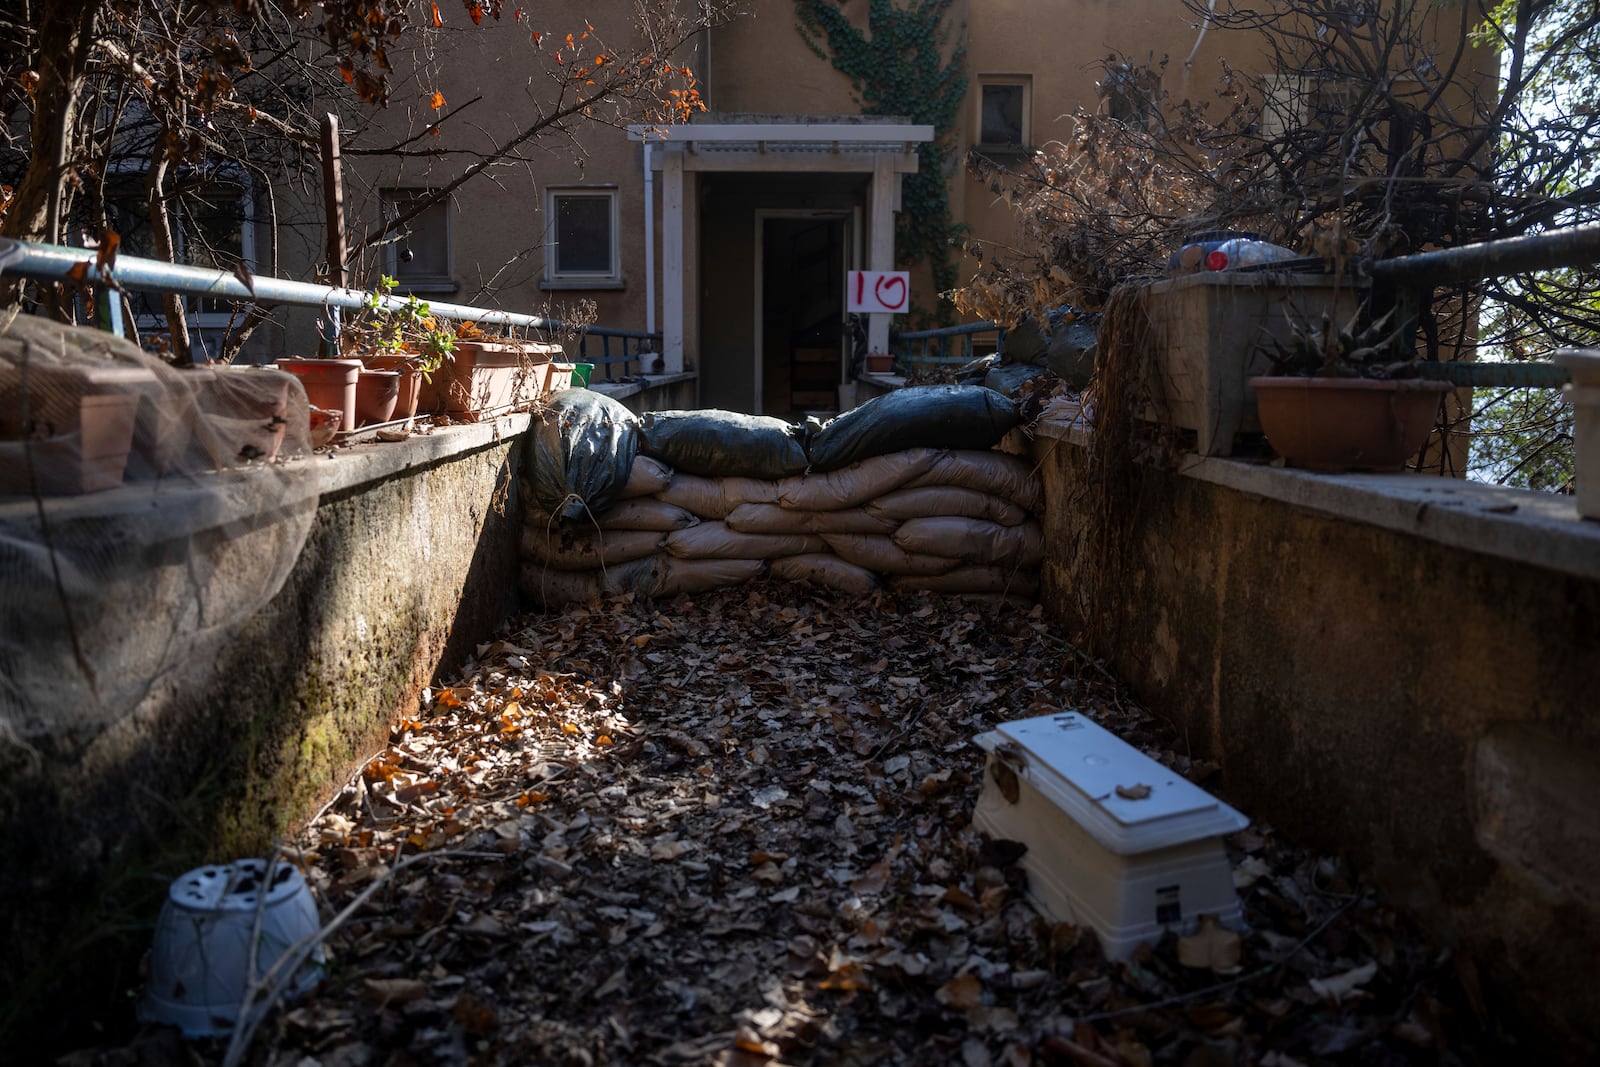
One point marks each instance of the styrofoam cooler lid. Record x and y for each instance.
(1078, 766)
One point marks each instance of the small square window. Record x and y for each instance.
(1003, 112)
(418, 256)
(581, 238)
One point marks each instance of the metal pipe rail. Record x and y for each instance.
(1576, 246)
(942, 336)
(56, 263)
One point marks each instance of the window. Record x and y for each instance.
(211, 215)
(580, 249)
(418, 256)
(1003, 104)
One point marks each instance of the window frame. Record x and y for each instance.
(148, 321)
(1025, 83)
(556, 279)
(389, 200)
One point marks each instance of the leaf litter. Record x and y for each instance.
(734, 830)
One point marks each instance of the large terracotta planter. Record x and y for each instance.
(405, 406)
(1340, 424)
(487, 378)
(329, 383)
(245, 411)
(85, 453)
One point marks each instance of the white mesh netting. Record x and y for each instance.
(145, 514)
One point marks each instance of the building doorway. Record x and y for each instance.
(800, 332)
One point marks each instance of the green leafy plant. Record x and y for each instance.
(409, 329)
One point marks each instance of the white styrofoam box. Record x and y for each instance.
(1128, 868)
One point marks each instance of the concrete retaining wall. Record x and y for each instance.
(410, 561)
(1399, 668)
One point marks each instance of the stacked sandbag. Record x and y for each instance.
(711, 499)
(582, 453)
(955, 522)
(929, 416)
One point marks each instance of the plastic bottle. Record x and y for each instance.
(1243, 252)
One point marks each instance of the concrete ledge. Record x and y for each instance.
(1400, 668)
(621, 390)
(1541, 529)
(658, 392)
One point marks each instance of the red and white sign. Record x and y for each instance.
(878, 292)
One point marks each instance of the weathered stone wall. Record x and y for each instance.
(409, 562)
(1401, 669)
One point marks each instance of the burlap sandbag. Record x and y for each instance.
(640, 513)
(646, 513)
(987, 472)
(713, 540)
(828, 571)
(547, 587)
(934, 500)
(773, 519)
(647, 477)
(972, 579)
(566, 548)
(973, 540)
(714, 498)
(853, 486)
(703, 575)
(878, 553)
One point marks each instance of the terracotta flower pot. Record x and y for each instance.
(879, 363)
(329, 383)
(485, 378)
(86, 454)
(377, 393)
(410, 381)
(1336, 424)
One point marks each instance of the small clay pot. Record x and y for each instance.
(377, 393)
(410, 381)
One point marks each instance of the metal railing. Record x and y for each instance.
(911, 346)
(1410, 278)
(79, 266)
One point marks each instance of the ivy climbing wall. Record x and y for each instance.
(908, 59)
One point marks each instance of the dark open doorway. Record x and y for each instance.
(802, 313)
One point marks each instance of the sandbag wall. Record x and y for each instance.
(719, 499)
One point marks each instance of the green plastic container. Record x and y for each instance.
(580, 375)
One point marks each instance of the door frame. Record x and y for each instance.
(851, 217)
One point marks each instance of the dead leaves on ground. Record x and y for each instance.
(734, 830)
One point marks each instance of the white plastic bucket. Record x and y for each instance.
(201, 951)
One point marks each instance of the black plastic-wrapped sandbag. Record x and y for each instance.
(723, 444)
(928, 416)
(1006, 377)
(583, 452)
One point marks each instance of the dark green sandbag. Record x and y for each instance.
(723, 444)
(928, 416)
(583, 453)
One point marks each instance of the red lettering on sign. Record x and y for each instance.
(885, 286)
